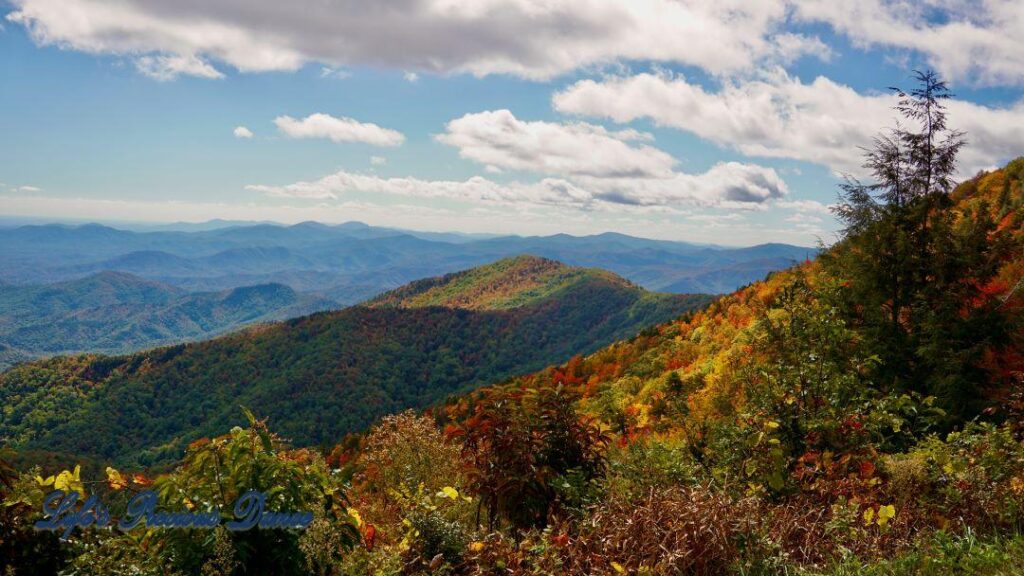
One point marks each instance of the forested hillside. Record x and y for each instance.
(862, 413)
(113, 312)
(324, 375)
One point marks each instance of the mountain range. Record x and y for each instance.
(321, 376)
(352, 261)
(114, 312)
(94, 288)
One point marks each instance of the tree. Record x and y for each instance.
(518, 443)
(914, 271)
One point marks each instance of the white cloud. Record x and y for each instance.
(779, 116)
(728, 184)
(978, 41)
(378, 160)
(529, 38)
(803, 218)
(716, 219)
(972, 40)
(497, 138)
(338, 130)
(339, 73)
(164, 67)
(25, 189)
(242, 132)
(805, 206)
(411, 77)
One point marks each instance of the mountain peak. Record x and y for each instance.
(507, 283)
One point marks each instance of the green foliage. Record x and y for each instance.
(22, 549)
(213, 474)
(316, 378)
(115, 312)
(646, 465)
(941, 555)
(914, 271)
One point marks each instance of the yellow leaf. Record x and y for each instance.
(476, 546)
(69, 481)
(869, 516)
(886, 513)
(355, 516)
(618, 568)
(115, 479)
(448, 492)
(47, 482)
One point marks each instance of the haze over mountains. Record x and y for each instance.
(352, 261)
(94, 288)
(323, 375)
(114, 312)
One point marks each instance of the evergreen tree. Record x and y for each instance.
(914, 271)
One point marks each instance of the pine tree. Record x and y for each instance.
(912, 269)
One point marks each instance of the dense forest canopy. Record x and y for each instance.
(322, 376)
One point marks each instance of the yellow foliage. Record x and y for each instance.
(67, 481)
(115, 480)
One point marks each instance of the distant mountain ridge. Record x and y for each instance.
(117, 312)
(321, 376)
(355, 260)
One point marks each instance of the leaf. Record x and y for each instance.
(70, 481)
(886, 513)
(355, 516)
(618, 567)
(867, 469)
(115, 480)
(448, 492)
(249, 415)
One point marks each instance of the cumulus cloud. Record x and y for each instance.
(779, 116)
(378, 160)
(727, 184)
(583, 166)
(338, 130)
(242, 132)
(534, 39)
(498, 139)
(977, 41)
(972, 40)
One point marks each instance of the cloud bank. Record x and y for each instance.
(781, 117)
(966, 40)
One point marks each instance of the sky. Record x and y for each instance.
(721, 121)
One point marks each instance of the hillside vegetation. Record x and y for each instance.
(859, 414)
(328, 374)
(510, 283)
(113, 312)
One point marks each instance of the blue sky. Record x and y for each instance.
(704, 121)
